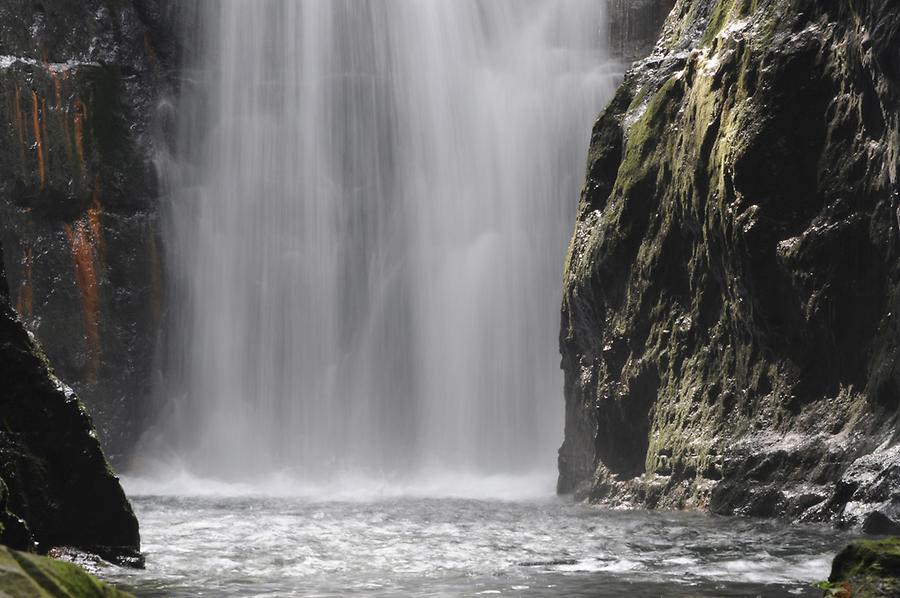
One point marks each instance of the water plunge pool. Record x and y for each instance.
(244, 545)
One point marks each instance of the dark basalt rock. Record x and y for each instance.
(57, 488)
(80, 99)
(729, 331)
(866, 569)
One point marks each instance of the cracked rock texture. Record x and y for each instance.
(731, 311)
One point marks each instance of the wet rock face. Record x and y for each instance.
(56, 487)
(729, 330)
(80, 86)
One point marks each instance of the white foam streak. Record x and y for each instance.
(347, 487)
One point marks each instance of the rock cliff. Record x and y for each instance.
(729, 337)
(56, 488)
(80, 88)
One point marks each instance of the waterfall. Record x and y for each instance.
(370, 207)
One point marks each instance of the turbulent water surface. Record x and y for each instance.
(375, 541)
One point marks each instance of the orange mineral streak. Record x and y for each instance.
(78, 121)
(21, 128)
(62, 112)
(95, 222)
(44, 135)
(20, 116)
(25, 300)
(94, 213)
(82, 248)
(39, 145)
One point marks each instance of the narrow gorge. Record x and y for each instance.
(300, 261)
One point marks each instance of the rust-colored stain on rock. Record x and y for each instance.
(21, 127)
(38, 143)
(78, 120)
(95, 222)
(20, 116)
(83, 247)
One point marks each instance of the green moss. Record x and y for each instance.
(867, 556)
(644, 134)
(38, 351)
(29, 576)
(717, 20)
(870, 568)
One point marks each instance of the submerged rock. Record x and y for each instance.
(866, 569)
(56, 487)
(27, 575)
(729, 337)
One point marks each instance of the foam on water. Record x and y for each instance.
(388, 546)
(169, 481)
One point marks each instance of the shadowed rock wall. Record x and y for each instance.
(56, 488)
(80, 87)
(729, 324)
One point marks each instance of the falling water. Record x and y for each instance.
(369, 218)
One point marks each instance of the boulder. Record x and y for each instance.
(866, 569)
(30, 576)
(58, 489)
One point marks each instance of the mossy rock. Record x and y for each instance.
(30, 576)
(729, 334)
(866, 569)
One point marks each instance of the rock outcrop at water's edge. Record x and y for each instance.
(80, 113)
(27, 575)
(56, 487)
(866, 569)
(731, 314)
